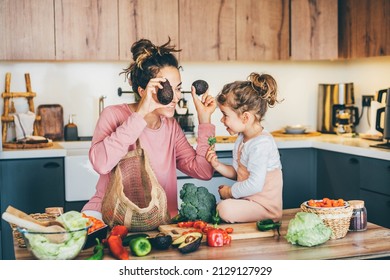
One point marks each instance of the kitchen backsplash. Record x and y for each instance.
(77, 86)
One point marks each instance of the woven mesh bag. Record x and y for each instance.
(134, 198)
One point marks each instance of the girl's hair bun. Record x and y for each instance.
(266, 86)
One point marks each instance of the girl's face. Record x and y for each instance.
(172, 74)
(233, 122)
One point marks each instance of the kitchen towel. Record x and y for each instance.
(24, 125)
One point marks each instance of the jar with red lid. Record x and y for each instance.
(359, 216)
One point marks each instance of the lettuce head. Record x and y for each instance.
(307, 229)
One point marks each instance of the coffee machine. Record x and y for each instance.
(385, 110)
(336, 106)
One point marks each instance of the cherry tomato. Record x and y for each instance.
(199, 224)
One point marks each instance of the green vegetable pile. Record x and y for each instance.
(197, 203)
(307, 229)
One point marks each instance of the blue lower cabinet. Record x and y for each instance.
(299, 176)
(30, 185)
(378, 207)
(375, 190)
(337, 175)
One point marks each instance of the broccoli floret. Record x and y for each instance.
(211, 140)
(189, 211)
(204, 215)
(188, 189)
(197, 203)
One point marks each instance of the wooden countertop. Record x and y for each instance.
(369, 244)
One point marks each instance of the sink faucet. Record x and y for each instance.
(101, 103)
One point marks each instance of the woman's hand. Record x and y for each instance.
(148, 104)
(204, 106)
(225, 192)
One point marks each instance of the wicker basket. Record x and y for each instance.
(337, 219)
(39, 216)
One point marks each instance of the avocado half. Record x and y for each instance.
(189, 242)
(161, 241)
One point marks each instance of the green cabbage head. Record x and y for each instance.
(307, 229)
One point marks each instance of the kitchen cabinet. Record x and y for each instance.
(378, 207)
(364, 28)
(150, 19)
(337, 175)
(314, 29)
(86, 30)
(27, 30)
(299, 176)
(375, 189)
(30, 185)
(207, 30)
(262, 30)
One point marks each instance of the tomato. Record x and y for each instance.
(185, 224)
(199, 224)
(229, 230)
(207, 228)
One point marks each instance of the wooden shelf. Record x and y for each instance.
(6, 118)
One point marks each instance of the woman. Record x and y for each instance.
(119, 127)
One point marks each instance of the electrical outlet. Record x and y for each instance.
(366, 100)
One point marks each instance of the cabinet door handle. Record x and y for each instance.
(353, 161)
(51, 165)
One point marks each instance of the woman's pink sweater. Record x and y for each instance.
(167, 147)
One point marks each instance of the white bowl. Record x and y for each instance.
(295, 129)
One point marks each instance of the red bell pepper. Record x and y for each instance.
(215, 238)
(116, 247)
(120, 230)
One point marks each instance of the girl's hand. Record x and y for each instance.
(211, 156)
(148, 103)
(204, 106)
(225, 192)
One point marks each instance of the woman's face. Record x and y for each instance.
(172, 74)
(231, 120)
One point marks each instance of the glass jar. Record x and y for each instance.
(359, 216)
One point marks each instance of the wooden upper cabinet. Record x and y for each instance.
(207, 30)
(314, 29)
(262, 29)
(27, 30)
(148, 19)
(86, 30)
(364, 28)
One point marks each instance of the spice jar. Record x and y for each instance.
(359, 216)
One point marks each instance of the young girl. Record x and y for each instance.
(257, 194)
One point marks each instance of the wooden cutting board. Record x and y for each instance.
(226, 139)
(282, 133)
(52, 121)
(240, 231)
